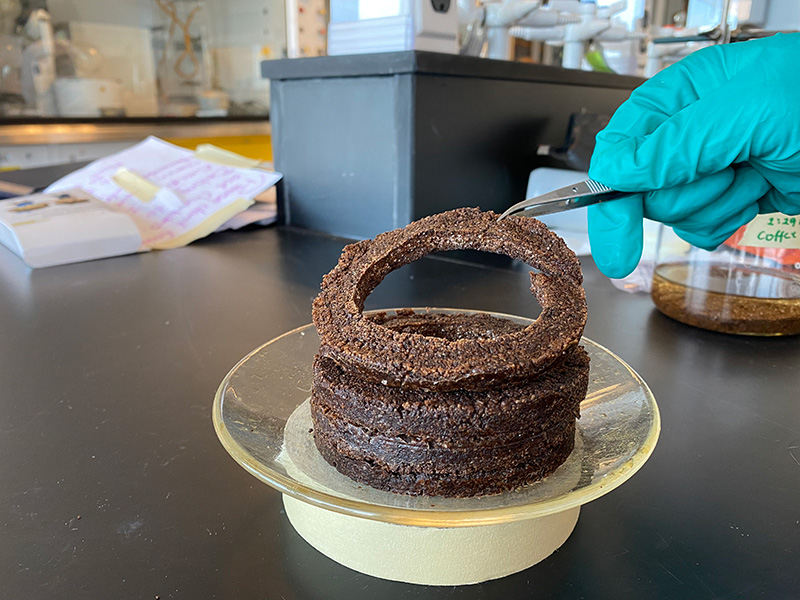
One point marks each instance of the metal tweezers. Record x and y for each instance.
(576, 195)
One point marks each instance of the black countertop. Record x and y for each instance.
(113, 483)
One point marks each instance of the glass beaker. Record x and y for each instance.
(12, 102)
(750, 285)
(180, 35)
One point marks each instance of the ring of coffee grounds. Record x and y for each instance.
(549, 455)
(412, 456)
(458, 417)
(411, 360)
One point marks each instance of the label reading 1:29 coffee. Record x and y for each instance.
(774, 236)
(772, 231)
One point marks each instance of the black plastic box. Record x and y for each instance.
(368, 143)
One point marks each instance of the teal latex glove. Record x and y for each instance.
(678, 137)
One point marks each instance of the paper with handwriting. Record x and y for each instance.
(193, 196)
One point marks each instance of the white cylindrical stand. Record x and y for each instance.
(430, 555)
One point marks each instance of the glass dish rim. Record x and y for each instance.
(436, 517)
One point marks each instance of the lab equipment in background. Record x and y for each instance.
(9, 12)
(58, 76)
(244, 33)
(126, 54)
(367, 26)
(704, 23)
(750, 285)
(213, 103)
(88, 97)
(73, 89)
(12, 103)
(484, 27)
(39, 64)
(472, 31)
(709, 22)
(723, 20)
(595, 25)
(671, 45)
(237, 71)
(183, 64)
(76, 90)
(498, 18)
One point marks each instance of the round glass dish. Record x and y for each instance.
(747, 286)
(267, 389)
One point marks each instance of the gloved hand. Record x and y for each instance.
(677, 138)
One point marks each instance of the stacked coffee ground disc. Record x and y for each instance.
(449, 404)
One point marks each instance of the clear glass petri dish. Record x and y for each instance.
(260, 417)
(747, 286)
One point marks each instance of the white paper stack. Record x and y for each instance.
(152, 196)
(71, 226)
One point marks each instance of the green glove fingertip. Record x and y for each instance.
(616, 235)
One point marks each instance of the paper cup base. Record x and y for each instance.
(430, 555)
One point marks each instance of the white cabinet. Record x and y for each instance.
(42, 155)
